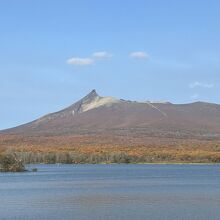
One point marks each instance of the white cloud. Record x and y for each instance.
(139, 55)
(194, 96)
(77, 61)
(200, 84)
(101, 55)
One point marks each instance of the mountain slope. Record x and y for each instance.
(96, 115)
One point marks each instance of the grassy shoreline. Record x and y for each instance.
(162, 163)
(117, 155)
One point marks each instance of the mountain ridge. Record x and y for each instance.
(93, 94)
(94, 114)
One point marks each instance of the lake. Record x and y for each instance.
(112, 192)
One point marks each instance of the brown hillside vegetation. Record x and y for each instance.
(106, 130)
(70, 149)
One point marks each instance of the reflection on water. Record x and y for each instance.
(93, 192)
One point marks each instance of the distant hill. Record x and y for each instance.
(105, 129)
(96, 115)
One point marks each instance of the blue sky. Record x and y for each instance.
(53, 52)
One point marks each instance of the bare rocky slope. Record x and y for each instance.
(100, 116)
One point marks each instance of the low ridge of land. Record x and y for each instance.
(106, 129)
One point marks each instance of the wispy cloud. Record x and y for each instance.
(202, 85)
(77, 61)
(194, 96)
(139, 55)
(101, 55)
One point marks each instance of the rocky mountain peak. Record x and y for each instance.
(91, 96)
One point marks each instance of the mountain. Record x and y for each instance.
(110, 120)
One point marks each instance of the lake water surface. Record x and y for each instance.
(112, 192)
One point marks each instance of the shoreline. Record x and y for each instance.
(165, 163)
